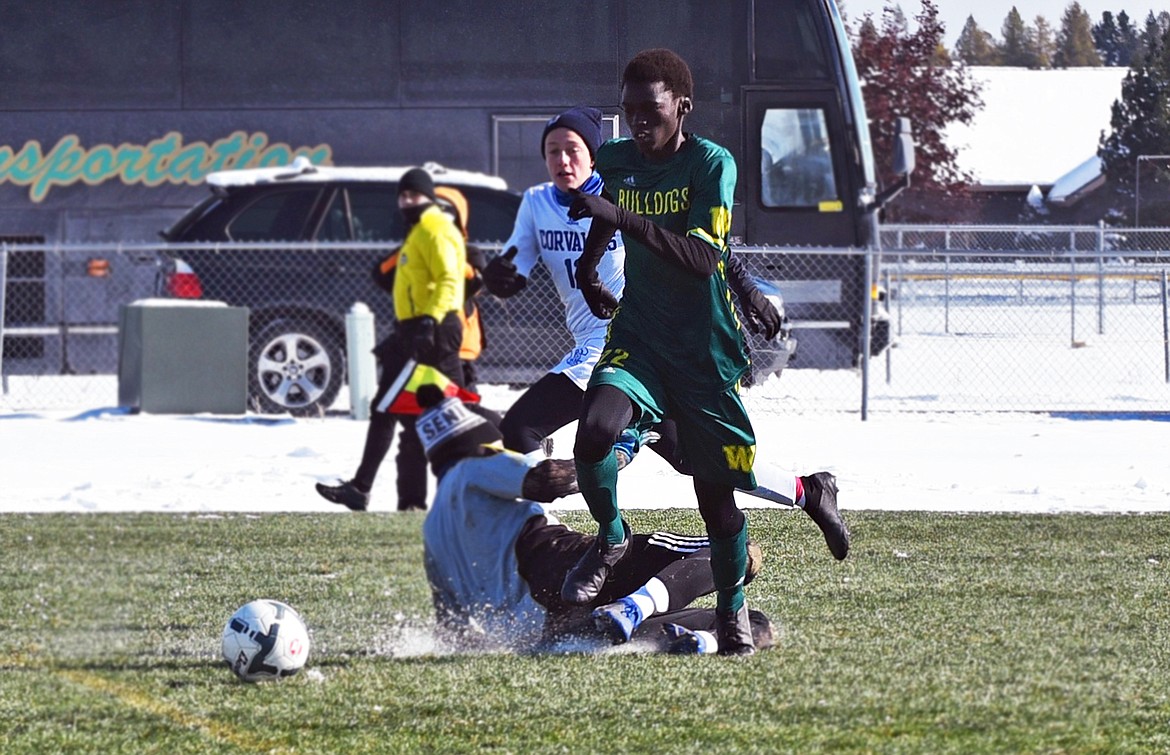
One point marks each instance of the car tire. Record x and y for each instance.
(295, 366)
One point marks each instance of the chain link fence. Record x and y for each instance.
(1026, 318)
(965, 318)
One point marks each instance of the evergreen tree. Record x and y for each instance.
(1042, 44)
(1107, 40)
(1140, 125)
(896, 16)
(976, 47)
(868, 29)
(1013, 50)
(1128, 37)
(1074, 42)
(1151, 35)
(902, 79)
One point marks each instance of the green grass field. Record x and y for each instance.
(940, 633)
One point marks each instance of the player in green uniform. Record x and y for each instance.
(674, 346)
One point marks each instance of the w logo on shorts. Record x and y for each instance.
(740, 458)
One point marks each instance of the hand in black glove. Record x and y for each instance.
(549, 480)
(762, 316)
(593, 206)
(500, 276)
(600, 299)
(422, 336)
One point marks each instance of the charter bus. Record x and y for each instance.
(114, 114)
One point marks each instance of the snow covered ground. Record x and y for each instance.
(936, 437)
(105, 459)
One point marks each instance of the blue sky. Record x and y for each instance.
(989, 14)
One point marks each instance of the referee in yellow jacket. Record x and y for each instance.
(428, 293)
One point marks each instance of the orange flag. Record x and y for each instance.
(400, 399)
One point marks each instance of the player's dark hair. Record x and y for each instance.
(662, 65)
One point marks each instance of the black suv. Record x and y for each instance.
(298, 296)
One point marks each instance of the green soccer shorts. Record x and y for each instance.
(714, 432)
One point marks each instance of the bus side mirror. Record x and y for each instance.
(904, 149)
(903, 163)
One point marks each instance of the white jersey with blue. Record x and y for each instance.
(469, 547)
(544, 232)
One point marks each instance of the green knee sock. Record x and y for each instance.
(728, 566)
(598, 484)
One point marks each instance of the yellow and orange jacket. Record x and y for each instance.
(474, 339)
(429, 268)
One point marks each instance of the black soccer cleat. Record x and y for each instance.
(683, 641)
(584, 581)
(733, 631)
(618, 620)
(345, 493)
(820, 503)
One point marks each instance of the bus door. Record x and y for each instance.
(804, 182)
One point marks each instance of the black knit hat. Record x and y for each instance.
(586, 121)
(449, 431)
(417, 179)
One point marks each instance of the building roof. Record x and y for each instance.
(1036, 125)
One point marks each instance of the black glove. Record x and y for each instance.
(422, 336)
(762, 316)
(500, 276)
(549, 480)
(600, 299)
(593, 206)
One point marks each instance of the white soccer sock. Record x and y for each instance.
(651, 598)
(708, 645)
(775, 484)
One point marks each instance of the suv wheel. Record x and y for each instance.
(295, 366)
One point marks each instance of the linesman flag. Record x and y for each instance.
(401, 399)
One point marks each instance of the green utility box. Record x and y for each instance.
(183, 357)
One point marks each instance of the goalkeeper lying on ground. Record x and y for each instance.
(496, 559)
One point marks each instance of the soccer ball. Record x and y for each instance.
(265, 639)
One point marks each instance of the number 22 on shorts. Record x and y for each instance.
(613, 358)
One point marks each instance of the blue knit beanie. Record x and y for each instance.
(586, 121)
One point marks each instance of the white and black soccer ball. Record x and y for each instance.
(265, 639)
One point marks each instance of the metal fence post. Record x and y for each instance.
(3, 289)
(1072, 309)
(1165, 328)
(901, 290)
(59, 301)
(1100, 277)
(874, 248)
(889, 350)
(947, 292)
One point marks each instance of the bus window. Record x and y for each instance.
(796, 166)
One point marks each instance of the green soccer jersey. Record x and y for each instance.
(687, 322)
